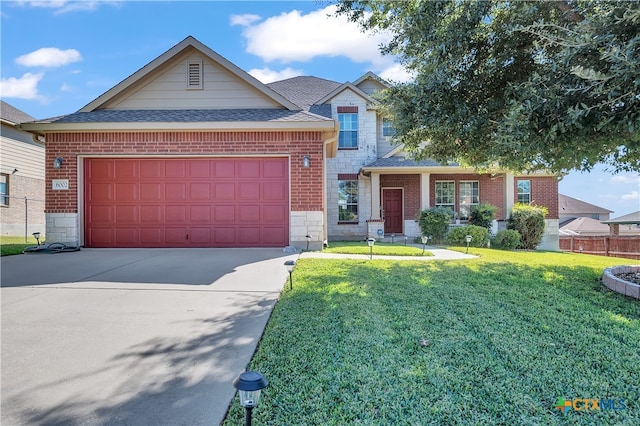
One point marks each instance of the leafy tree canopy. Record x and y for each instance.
(514, 84)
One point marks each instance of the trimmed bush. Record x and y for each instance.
(482, 215)
(507, 239)
(435, 222)
(458, 236)
(528, 220)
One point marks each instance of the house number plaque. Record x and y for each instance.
(60, 184)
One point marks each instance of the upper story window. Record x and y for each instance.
(4, 190)
(524, 191)
(446, 194)
(595, 216)
(348, 119)
(469, 196)
(387, 128)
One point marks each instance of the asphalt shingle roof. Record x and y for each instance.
(187, 115)
(406, 162)
(13, 114)
(304, 91)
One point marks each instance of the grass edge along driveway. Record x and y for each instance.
(493, 340)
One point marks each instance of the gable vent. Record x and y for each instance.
(194, 74)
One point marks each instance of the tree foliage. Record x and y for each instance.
(483, 215)
(514, 84)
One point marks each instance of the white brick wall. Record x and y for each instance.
(303, 224)
(350, 161)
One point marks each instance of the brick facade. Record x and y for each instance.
(411, 186)
(544, 192)
(306, 183)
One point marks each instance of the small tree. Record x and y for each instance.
(435, 222)
(483, 215)
(528, 220)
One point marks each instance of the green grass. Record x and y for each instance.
(15, 245)
(493, 340)
(379, 248)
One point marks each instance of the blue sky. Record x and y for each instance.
(57, 56)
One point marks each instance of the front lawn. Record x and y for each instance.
(379, 248)
(15, 245)
(493, 340)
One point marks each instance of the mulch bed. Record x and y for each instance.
(633, 277)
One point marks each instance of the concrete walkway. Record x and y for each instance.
(438, 254)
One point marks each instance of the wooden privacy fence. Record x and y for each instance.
(604, 245)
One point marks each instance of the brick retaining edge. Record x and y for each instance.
(618, 285)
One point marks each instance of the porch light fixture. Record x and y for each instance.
(14, 171)
(290, 265)
(371, 242)
(306, 161)
(308, 237)
(468, 238)
(249, 385)
(57, 163)
(36, 235)
(424, 242)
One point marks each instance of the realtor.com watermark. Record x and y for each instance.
(589, 404)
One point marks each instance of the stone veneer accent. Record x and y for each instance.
(621, 286)
(303, 224)
(62, 228)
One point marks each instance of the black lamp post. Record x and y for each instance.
(468, 238)
(290, 265)
(405, 240)
(371, 242)
(36, 235)
(249, 385)
(308, 237)
(424, 242)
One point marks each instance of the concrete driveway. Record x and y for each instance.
(131, 336)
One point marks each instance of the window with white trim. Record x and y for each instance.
(347, 201)
(387, 128)
(4, 189)
(348, 136)
(469, 196)
(446, 194)
(524, 191)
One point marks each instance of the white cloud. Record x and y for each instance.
(626, 179)
(631, 196)
(64, 6)
(267, 75)
(49, 57)
(25, 87)
(292, 36)
(396, 73)
(244, 20)
(65, 88)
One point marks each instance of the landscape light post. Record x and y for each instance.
(468, 238)
(393, 235)
(405, 240)
(424, 242)
(249, 385)
(36, 235)
(290, 265)
(371, 242)
(308, 237)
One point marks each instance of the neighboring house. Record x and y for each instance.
(583, 226)
(191, 151)
(571, 208)
(21, 176)
(628, 224)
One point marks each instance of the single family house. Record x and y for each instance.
(191, 151)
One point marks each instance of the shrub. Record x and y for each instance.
(528, 220)
(507, 239)
(435, 222)
(482, 215)
(458, 236)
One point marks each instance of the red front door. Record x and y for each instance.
(392, 205)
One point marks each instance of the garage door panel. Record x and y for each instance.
(101, 192)
(186, 202)
(248, 191)
(126, 191)
(175, 191)
(151, 191)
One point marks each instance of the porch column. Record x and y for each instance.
(375, 196)
(509, 191)
(425, 185)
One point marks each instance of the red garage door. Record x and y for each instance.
(189, 202)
